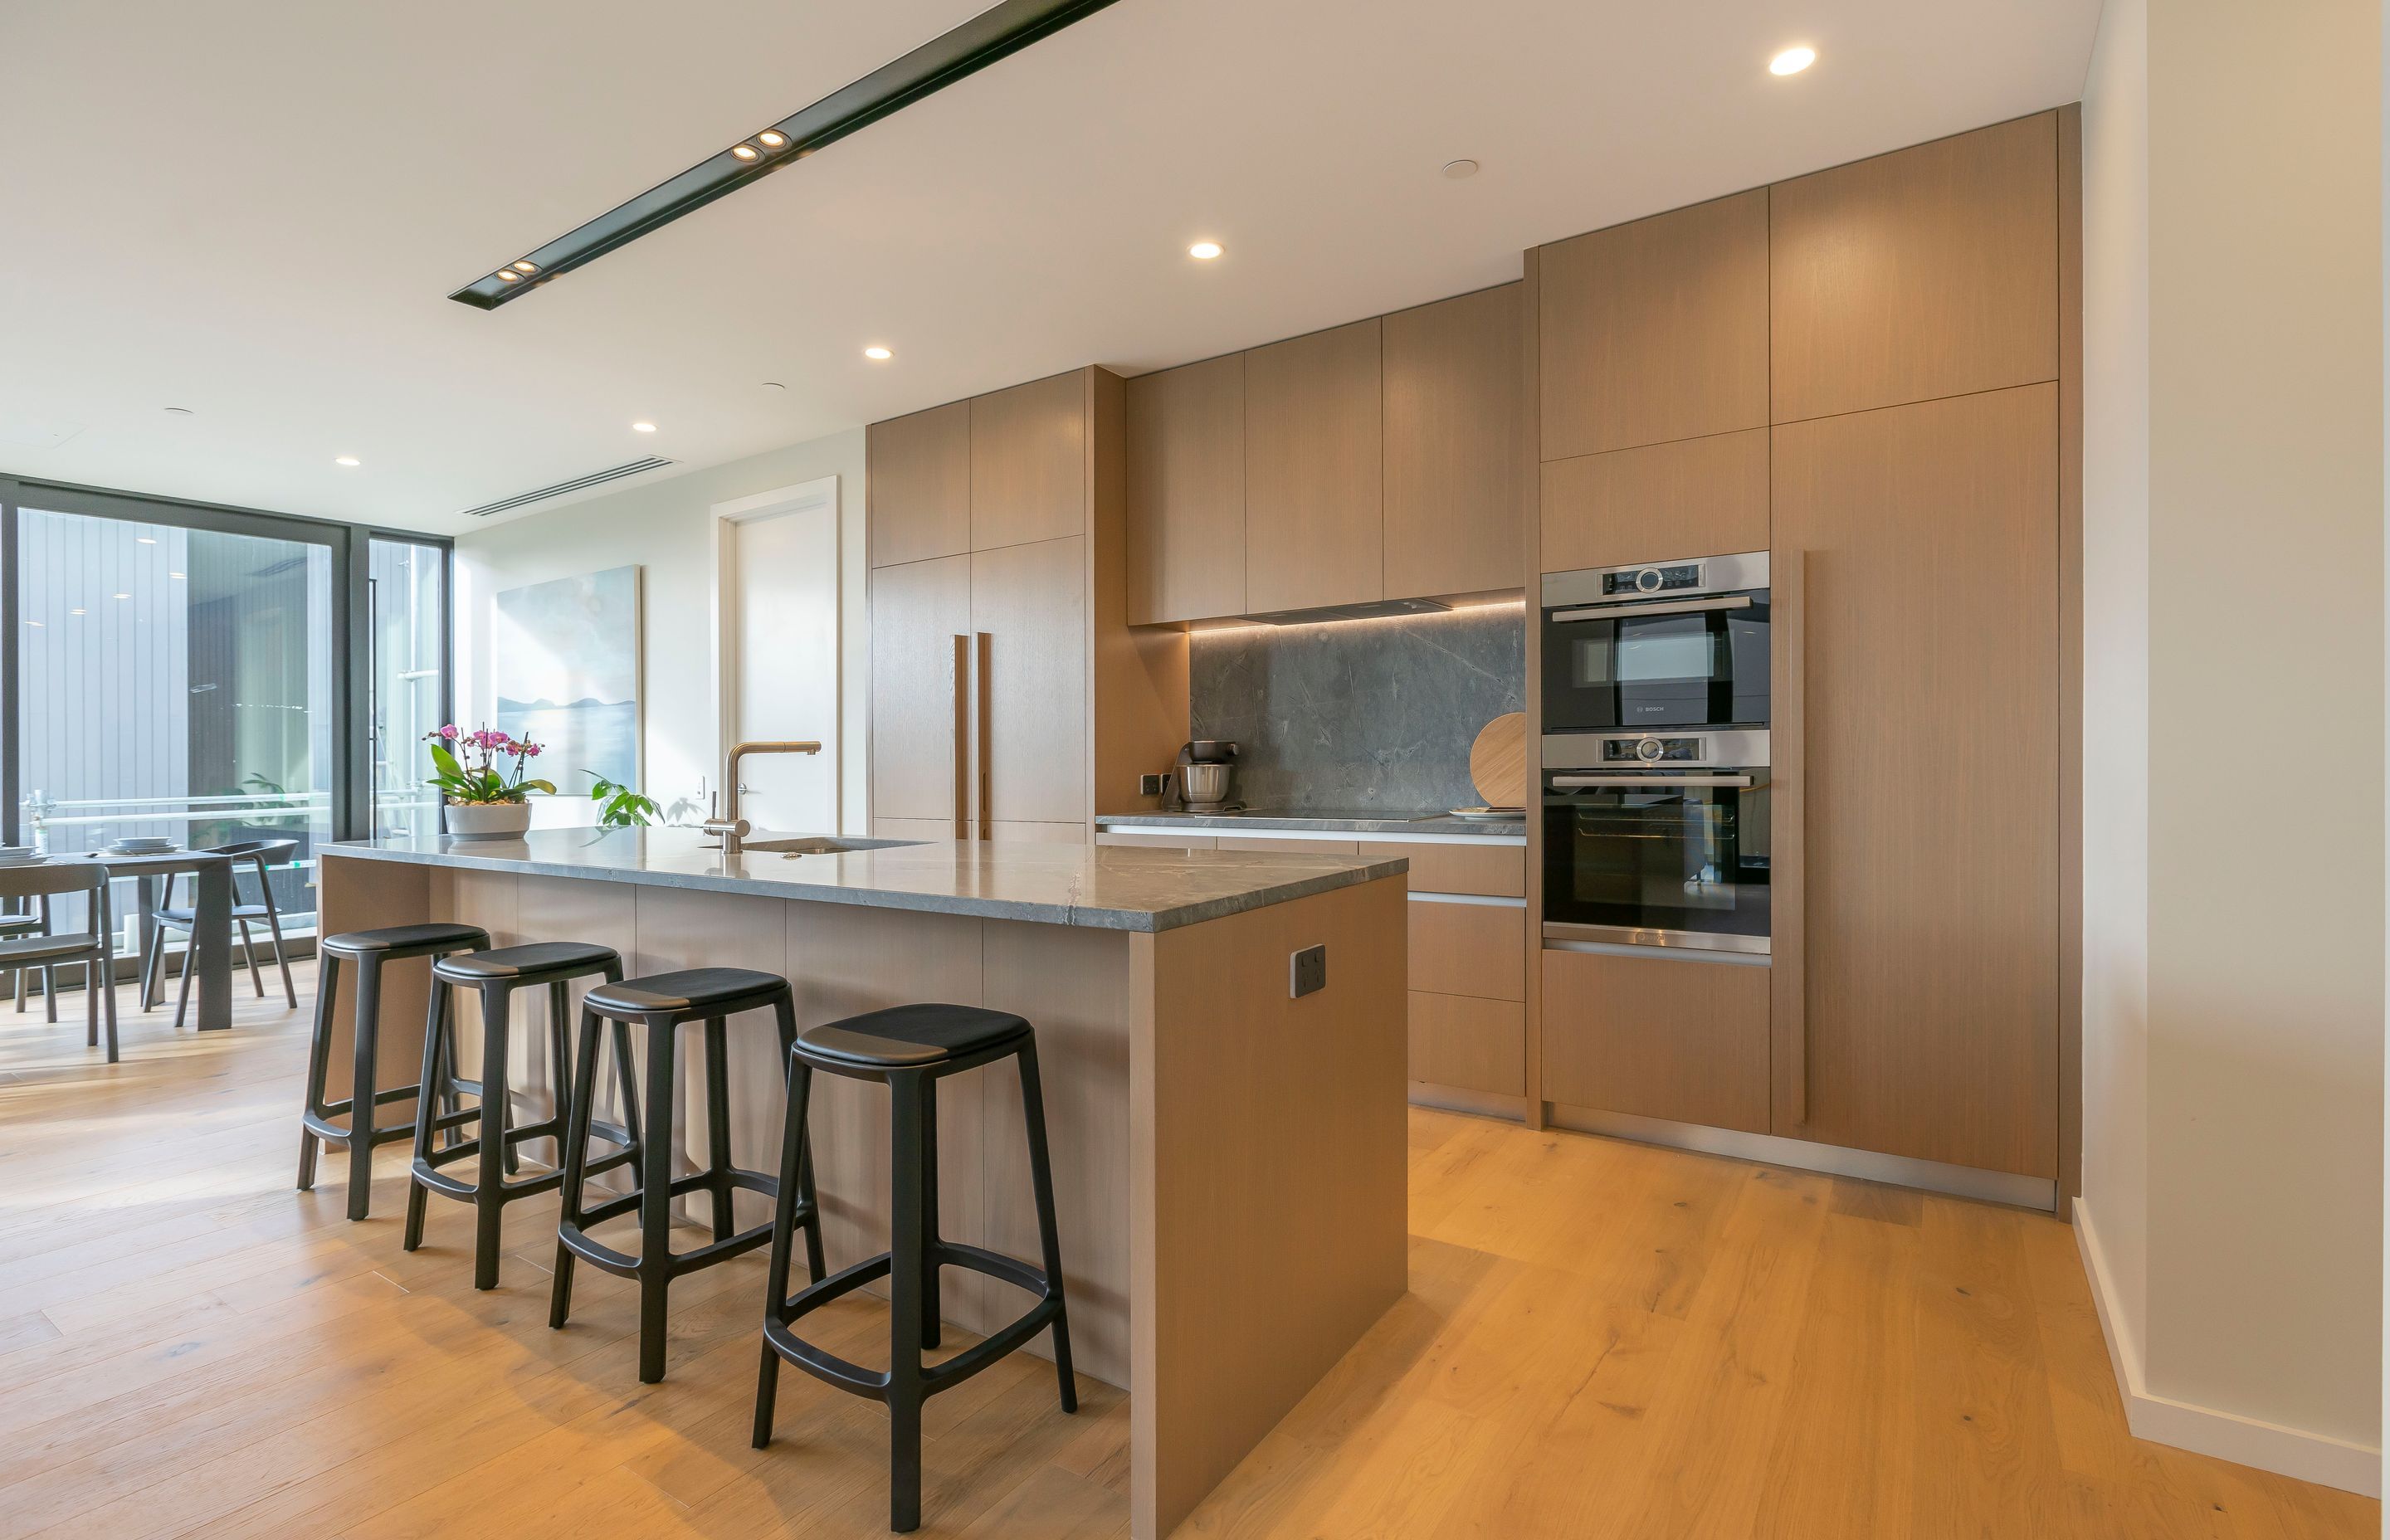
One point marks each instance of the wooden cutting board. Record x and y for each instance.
(1498, 761)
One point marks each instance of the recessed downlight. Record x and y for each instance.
(771, 138)
(876, 354)
(1457, 170)
(643, 428)
(179, 411)
(774, 385)
(349, 460)
(508, 274)
(745, 152)
(1792, 61)
(1204, 251)
(526, 266)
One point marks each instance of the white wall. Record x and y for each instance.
(667, 528)
(2233, 540)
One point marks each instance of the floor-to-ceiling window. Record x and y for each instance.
(212, 676)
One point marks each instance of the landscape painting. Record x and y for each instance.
(566, 675)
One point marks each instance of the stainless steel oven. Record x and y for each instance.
(1668, 644)
(1658, 840)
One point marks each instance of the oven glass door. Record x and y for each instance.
(1672, 860)
(1660, 667)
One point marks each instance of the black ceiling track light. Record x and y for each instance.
(991, 35)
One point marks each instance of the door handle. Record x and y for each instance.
(1574, 781)
(1681, 606)
(962, 736)
(986, 728)
(1789, 980)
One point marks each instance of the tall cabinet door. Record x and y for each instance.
(1315, 471)
(919, 612)
(1028, 462)
(1187, 492)
(1928, 537)
(1029, 603)
(919, 484)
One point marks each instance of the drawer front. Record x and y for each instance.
(1494, 871)
(1298, 847)
(1479, 950)
(1159, 841)
(1474, 1045)
(1684, 1041)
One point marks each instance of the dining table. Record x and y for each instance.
(211, 948)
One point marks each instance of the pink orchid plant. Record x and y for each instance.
(468, 766)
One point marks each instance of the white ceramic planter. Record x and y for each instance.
(487, 820)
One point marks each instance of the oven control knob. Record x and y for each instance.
(1647, 581)
(1650, 749)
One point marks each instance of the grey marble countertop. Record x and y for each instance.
(1359, 821)
(1104, 887)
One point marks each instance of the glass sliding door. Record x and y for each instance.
(408, 583)
(175, 681)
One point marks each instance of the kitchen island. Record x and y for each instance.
(1228, 1159)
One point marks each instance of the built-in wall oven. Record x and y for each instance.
(1657, 839)
(1668, 644)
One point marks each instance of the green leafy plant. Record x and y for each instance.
(475, 779)
(625, 808)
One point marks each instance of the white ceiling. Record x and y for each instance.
(255, 209)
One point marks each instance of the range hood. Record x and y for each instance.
(1374, 610)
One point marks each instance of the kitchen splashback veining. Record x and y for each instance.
(1358, 715)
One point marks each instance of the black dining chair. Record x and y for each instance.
(259, 854)
(94, 946)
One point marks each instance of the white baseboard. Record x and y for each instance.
(2203, 1430)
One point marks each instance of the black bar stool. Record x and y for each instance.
(663, 1003)
(909, 1049)
(370, 950)
(498, 974)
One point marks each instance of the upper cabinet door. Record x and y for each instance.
(1030, 602)
(918, 484)
(1926, 273)
(1029, 462)
(1187, 493)
(1452, 446)
(1315, 468)
(1656, 331)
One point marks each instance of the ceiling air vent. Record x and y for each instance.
(579, 484)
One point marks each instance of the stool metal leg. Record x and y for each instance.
(362, 1087)
(1041, 1177)
(490, 1180)
(783, 1011)
(581, 1095)
(793, 1142)
(626, 1084)
(906, 1105)
(319, 1055)
(426, 1114)
(560, 1057)
(718, 1125)
(655, 1201)
(931, 1333)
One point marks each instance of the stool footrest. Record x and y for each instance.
(624, 1264)
(509, 1188)
(333, 1133)
(829, 1367)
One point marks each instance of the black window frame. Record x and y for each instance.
(350, 545)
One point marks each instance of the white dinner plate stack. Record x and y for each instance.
(19, 856)
(142, 845)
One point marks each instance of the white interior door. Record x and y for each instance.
(783, 566)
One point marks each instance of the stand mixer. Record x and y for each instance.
(1202, 775)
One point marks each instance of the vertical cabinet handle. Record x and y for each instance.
(962, 737)
(986, 727)
(1788, 973)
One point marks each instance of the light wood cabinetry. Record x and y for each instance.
(1051, 687)
(1656, 331)
(918, 611)
(1693, 497)
(1493, 871)
(1187, 493)
(1475, 1045)
(1028, 462)
(1313, 471)
(1473, 949)
(1028, 602)
(1684, 1041)
(917, 485)
(1451, 405)
(1928, 537)
(1929, 272)
(1159, 841)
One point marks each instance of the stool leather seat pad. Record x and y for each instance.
(904, 1037)
(512, 962)
(398, 938)
(690, 988)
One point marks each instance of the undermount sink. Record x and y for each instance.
(817, 844)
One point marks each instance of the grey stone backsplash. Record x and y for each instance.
(1358, 716)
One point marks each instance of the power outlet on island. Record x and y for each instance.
(1307, 971)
